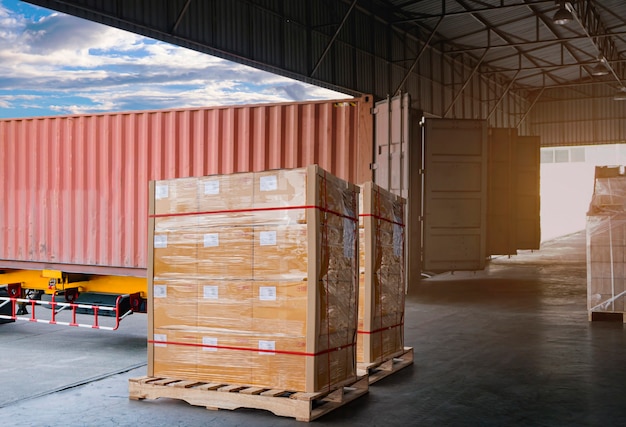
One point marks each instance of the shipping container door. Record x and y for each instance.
(501, 189)
(528, 201)
(455, 195)
(397, 163)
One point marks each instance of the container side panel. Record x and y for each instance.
(75, 188)
(397, 160)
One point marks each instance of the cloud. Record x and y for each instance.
(62, 64)
(59, 32)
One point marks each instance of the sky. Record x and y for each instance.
(55, 64)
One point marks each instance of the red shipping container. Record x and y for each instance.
(74, 189)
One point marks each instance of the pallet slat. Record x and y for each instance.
(185, 384)
(273, 393)
(210, 386)
(607, 316)
(252, 390)
(377, 371)
(279, 402)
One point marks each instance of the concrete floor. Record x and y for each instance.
(507, 346)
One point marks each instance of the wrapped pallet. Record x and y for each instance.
(254, 279)
(382, 279)
(606, 243)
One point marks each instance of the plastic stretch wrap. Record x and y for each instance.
(606, 243)
(254, 279)
(382, 278)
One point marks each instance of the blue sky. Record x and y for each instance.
(55, 64)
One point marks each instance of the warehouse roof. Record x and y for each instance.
(324, 42)
(520, 39)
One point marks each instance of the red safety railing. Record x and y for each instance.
(56, 307)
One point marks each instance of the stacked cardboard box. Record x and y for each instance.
(254, 279)
(382, 278)
(606, 242)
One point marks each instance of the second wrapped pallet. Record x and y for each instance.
(382, 278)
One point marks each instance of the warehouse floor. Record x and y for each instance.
(510, 345)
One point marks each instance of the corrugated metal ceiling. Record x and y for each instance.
(521, 35)
(523, 42)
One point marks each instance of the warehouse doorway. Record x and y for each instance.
(567, 176)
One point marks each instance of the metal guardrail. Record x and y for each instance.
(56, 307)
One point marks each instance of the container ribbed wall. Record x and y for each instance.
(75, 188)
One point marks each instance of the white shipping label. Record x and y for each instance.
(349, 236)
(212, 187)
(160, 241)
(268, 346)
(269, 183)
(160, 340)
(211, 292)
(397, 240)
(267, 293)
(211, 240)
(160, 291)
(267, 238)
(209, 344)
(161, 191)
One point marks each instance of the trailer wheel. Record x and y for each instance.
(33, 294)
(71, 295)
(6, 309)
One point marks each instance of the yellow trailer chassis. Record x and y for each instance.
(41, 295)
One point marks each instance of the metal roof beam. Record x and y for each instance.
(458, 94)
(530, 107)
(181, 15)
(568, 84)
(334, 37)
(543, 68)
(473, 33)
(503, 36)
(508, 87)
(416, 60)
(590, 22)
(547, 22)
(421, 16)
(541, 43)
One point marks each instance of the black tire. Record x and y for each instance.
(6, 309)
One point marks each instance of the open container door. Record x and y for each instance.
(513, 221)
(397, 161)
(528, 224)
(501, 184)
(455, 195)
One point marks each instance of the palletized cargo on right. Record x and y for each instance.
(606, 244)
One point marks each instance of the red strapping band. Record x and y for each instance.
(280, 208)
(256, 350)
(383, 219)
(380, 329)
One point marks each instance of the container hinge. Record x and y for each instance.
(373, 166)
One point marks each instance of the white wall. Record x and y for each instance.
(567, 185)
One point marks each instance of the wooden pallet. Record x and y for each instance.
(614, 316)
(298, 405)
(379, 370)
